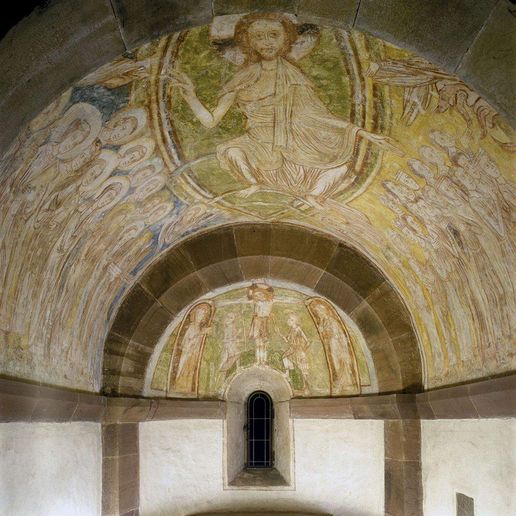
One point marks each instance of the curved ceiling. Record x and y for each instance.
(240, 255)
(349, 136)
(61, 42)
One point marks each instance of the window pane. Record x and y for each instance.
(259, 430)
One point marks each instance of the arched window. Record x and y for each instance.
(260, 415)
(258, 431)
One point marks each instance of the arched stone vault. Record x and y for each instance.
(116, 174)
(475, 42)
(236, 253)
(419, 254)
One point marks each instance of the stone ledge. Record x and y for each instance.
(26, 402)
(493, 398)
(258, 478)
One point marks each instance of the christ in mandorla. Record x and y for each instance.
(292, 143)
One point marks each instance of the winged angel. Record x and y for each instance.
(422, 82)
(292, 143)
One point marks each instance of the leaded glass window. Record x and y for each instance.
(260, 415)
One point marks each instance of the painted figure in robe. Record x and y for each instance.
(232, 342)
(339, 348)
(292, 143)
(184, 370)
(296, 355)
(262, 296)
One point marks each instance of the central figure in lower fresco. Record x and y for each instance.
(293, 143)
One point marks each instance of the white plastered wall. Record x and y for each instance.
(50, 469)
(339, 469)
(473, 457)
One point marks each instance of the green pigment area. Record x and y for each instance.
(324, 66)
(209, 72)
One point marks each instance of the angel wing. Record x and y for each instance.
(416, 100)
(417, 76)
(119, 73)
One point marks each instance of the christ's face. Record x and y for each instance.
(259, 296)
(267, 37)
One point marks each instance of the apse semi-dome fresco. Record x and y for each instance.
(316, 348)
(260, 119)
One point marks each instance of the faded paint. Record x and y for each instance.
(118, 170)
(265, 326)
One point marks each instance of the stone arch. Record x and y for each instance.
(242, 252)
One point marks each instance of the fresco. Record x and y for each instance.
(259, 118)
(301, 336)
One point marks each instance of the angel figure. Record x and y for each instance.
(422, 81)
(292, 143)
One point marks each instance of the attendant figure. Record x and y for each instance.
(232, 341)
(338, 345)
(296, 354)
(187, 354)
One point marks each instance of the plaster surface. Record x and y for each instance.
(311, 351)
(338, 470)
(97, 33)
(405, 163)
(473, 457)
(50, 469)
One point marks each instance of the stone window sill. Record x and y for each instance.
(259, 478)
